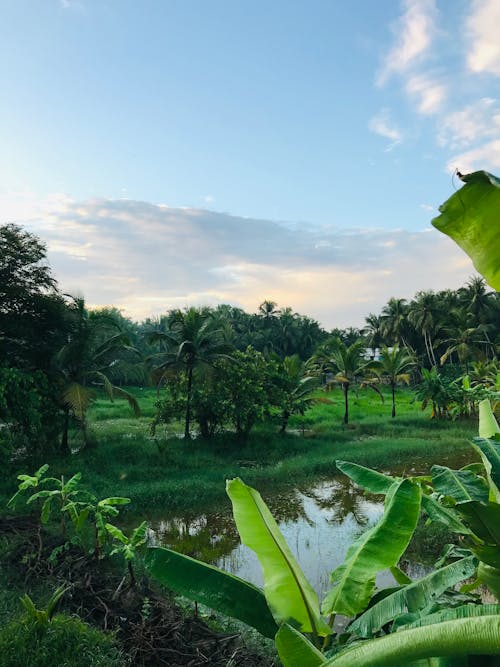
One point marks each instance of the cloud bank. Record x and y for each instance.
(146, 258)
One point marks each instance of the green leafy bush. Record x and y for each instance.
(66, 642)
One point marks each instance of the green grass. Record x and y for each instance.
(127, 460)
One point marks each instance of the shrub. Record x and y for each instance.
(66, 642)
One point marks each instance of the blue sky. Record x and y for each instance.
(333, 124)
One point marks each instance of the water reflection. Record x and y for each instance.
(319, 523)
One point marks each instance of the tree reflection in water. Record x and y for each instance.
(339, 499)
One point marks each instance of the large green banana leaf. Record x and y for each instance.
(483, 519)
(464, 611)
(295, 650)
(463, 636)
(376, 482)
(378, 548)
(488, 426)
(412, 598)
(461, 485)
(471, 217)
(446, 515)
(371, 480)
(215, 588)
(289, 595)
(489, 450)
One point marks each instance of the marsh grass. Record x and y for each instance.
(167, 473)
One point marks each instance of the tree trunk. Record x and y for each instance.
(284, 420)
(65, 450)
(393, 390)
(187, 434)
(345, 387)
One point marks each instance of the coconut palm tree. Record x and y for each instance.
(424, 314)
(195, 340)
(395, 321)
(346, 363)
(374, 331)
(392, 366)
(93, 347)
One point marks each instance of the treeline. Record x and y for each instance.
(221, 365)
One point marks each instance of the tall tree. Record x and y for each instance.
(193, 341)
(393, 365)
(346, 363)
(92, 349)
(424, 314)
(32, 312)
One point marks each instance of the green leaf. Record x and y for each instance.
(464, 611)
(295, 650)
(487, 423)
(78, 398)
(289, 595)
(470, 218)
(461, 485)
(413, 597)
(213, 587)
(491, 577)
(379, 548)
(401, 577)
(371, 480)
(45, 513)
(114, 500)
(484, 520)
(72, 483)
(479, 635)
(447, 516)
(117, 533)
(489, 452)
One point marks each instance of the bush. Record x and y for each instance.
(66, 642)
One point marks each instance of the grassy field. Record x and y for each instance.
(167, 474)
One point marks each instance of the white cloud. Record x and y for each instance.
(428, 94)
(485, 157)
(146, 258)
(475, 122)
(414, 32)
(483, 30)
(382, 125)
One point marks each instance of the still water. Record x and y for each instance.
(319, 523)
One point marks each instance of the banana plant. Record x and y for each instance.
(128, 547)
(41, 618)
(288, 600)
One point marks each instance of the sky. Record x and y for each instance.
(186, 152)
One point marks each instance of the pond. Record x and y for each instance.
(319, 523)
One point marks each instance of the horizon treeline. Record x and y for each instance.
(54, 350)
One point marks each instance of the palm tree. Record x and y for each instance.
(296, 389)
(194, 340)
(392, 365)
(92, 349)
(395, 321)
(346, 363)
(424, 315)
(374, 331)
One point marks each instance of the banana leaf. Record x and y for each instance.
(295, 650)
(463, 636)
(412, 598)
(489, 450)
(464, 611)
(371, 480)
(379, 548)
(289, 595)
(484, 520)
(471, 218)
(446, 515)
(488, 426)
(212, 587)
(461, 485)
